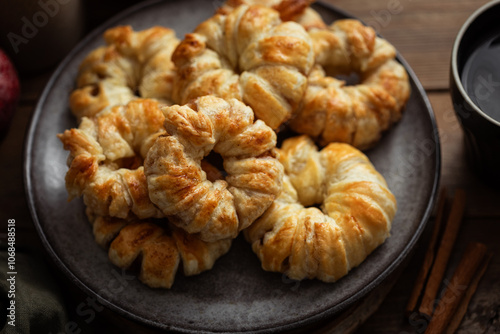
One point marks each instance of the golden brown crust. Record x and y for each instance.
(131, 63)
(178, 185)
(245, 53)
(357, 206)
(290, 10)
(159, 247)
(248, 54)
(358, 114)
(329, 110)
(347, 45)
(105, 160)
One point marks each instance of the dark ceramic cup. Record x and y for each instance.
(475, 89)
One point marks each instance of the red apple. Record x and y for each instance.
(9, 92)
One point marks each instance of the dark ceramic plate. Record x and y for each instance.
(237, 295)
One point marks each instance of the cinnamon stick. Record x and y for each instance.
(443, 253)
(467, 268)
(429, 256)
(464, 304)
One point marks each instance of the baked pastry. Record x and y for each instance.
(157, 247)
(248, 54)
(106, 155)
(297, 239)
(132, 64)
(178, 185)
(356, 114)
(290, 10)
(332, 111)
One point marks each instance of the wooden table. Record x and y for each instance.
(423, 31)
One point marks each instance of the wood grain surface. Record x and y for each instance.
(423, 31)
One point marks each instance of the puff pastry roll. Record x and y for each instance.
(356, 211)
(179, 186)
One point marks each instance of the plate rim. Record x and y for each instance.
(316, 318)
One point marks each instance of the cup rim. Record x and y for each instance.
(454, 65)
